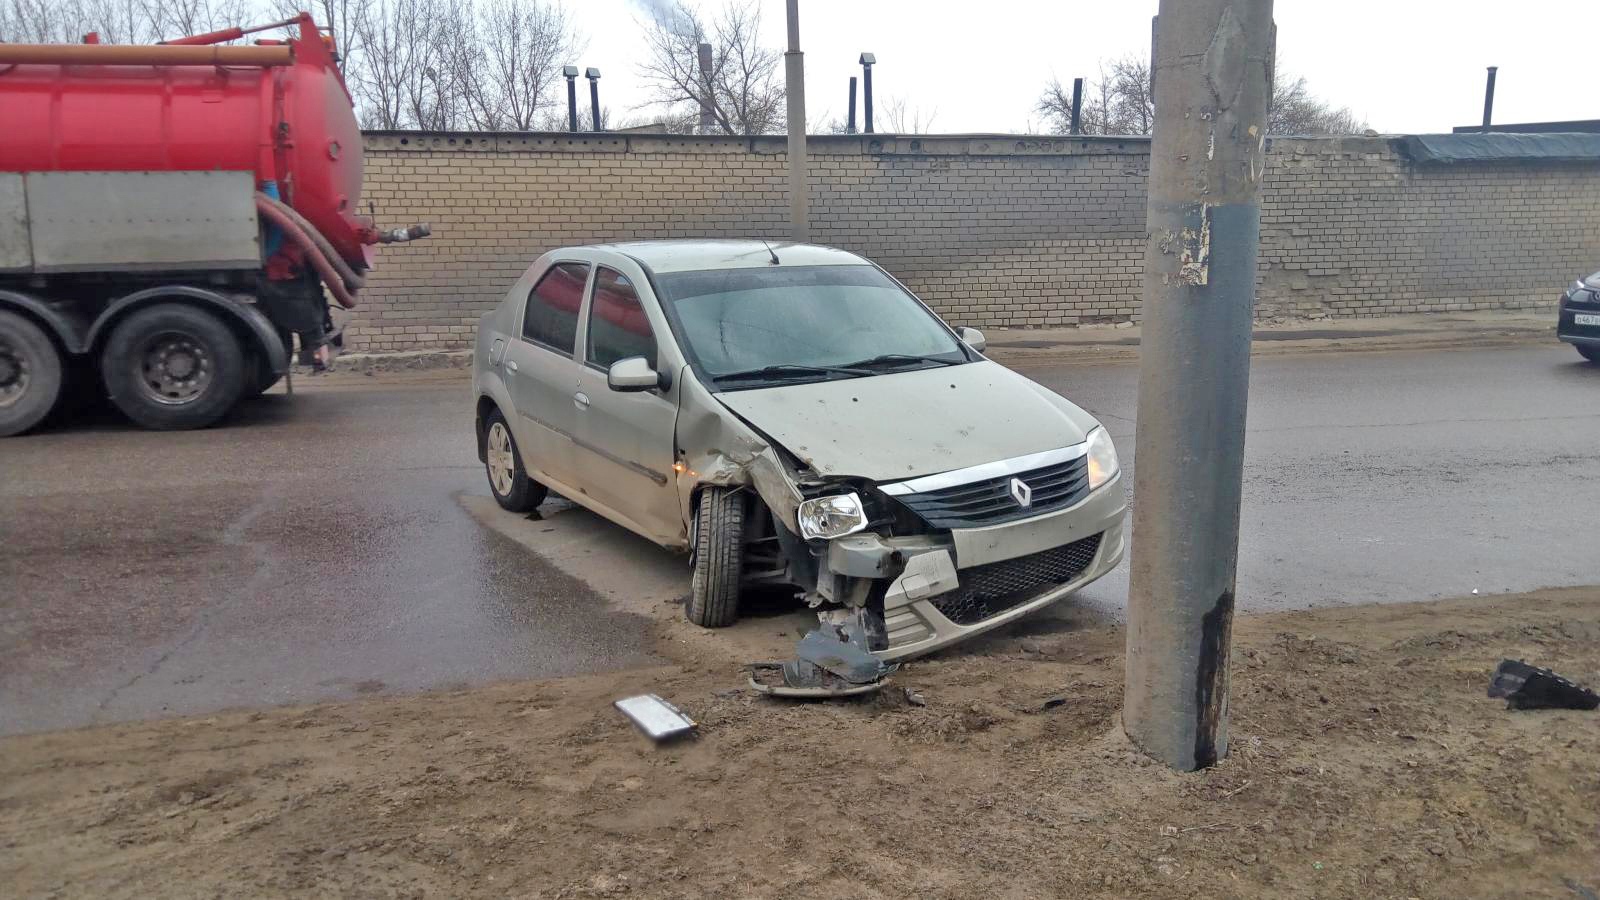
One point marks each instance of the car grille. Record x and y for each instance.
(989, 502)
(987, 591)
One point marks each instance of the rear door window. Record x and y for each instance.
(551, 319)
(618, 326)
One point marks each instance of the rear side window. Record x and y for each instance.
(618, 327)
(553, 304)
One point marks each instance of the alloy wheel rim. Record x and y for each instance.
(502, 467)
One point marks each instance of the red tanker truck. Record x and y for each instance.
(172, 217)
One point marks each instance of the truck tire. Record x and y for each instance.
(508, 480)
(172, 366)
(718, 558)
(30, 374)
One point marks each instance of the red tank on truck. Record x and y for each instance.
(173, 221)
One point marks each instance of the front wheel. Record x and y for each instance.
(172, 366)
(1592, 354)
(718, 558)
(30, 374)
(508, 480)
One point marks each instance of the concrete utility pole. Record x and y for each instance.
(795, 87)
(1213, 59)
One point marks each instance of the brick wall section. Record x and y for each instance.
(990, 230)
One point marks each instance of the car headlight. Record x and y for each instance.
(1102, 458)
(831, 517)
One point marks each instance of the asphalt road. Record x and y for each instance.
(316, 549)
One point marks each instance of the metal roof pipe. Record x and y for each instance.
(157, 55)
(1488, 99)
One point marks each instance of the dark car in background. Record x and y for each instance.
(1579, 319)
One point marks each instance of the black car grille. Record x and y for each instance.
(989, 590)
(989, 502)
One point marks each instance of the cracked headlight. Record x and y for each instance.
(831, 517)
(1102, 458)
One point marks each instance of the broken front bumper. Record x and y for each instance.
(948, 589)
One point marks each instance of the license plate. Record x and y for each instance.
(1585, 319)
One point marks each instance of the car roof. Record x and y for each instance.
(699, 255)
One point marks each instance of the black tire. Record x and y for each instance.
(172, 367)
(1592, 354)
(718, 558)
(514, 491)
(31, 374)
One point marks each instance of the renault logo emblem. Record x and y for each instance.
(1021, 493)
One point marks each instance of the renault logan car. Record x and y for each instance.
(1578, 317)
(792, 415)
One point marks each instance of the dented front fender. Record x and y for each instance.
(716, 447)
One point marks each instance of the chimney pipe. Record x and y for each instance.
(571, 73)
(1488, 99)
(707, 119)
(1077, 106)
(867, 60)
(850, 121)
(593, 75)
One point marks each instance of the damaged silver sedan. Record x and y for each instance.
(792, 415)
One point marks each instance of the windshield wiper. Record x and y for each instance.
(886, 358)
(790, 369)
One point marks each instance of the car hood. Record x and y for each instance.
(906, 424)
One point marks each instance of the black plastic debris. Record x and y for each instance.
(846, 659)
(1530, 687)
(834, 660)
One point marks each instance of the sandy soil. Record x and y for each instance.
(1366, 762)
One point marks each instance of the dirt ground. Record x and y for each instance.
(1366, 761)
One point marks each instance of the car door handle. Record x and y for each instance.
(580, 400)
(511, 364)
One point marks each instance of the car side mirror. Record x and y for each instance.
(973, 338)
(632, 374)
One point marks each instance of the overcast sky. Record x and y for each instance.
(1403, 65)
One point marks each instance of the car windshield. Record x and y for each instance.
(746, 327)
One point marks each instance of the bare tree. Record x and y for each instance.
(526, 43)
(900, 117)
(67, 21)
(345, 20)
(416, 59)
(1122, 101)
(1295, 111)
(176, 18)
(743, 91)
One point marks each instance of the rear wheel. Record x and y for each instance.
(30, 374)
(508, 480)
(1592, 354)
(172, 366)
(718, 558)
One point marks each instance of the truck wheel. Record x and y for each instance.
(172, 366)
(718, 558)
(508, 480)
(30, 374)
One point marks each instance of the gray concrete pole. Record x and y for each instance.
(795, 87)
(1204, 219)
